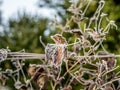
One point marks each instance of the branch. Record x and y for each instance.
(99, 56)
(22, 55)
(17, 55)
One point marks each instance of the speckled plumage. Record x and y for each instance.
(55, 53)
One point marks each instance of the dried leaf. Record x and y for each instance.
(111, 61)
(77, 32)
(41, 81)
(3, 78)
(32, 70)
(36, 71)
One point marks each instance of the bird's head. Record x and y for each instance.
(59, 39)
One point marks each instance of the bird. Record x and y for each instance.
(56, 52)
(58, 39)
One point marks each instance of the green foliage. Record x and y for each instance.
(24, 33)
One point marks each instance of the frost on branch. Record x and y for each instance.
(3, 54)
(71, 61)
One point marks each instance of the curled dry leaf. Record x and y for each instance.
(3, 78)
(32, 70)
(41, 81)
(95, 35)
(36, 71)
(111, 61)
(39, 75)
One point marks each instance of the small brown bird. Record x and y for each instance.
(55, 53)
(59, 39)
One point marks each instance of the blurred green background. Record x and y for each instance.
(24, 32)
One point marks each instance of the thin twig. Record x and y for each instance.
(42, 41)
(14, 55)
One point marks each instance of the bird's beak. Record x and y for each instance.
(52, 37)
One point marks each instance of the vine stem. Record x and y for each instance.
(15, 55)
(99, 56)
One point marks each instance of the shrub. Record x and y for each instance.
(77, 62)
